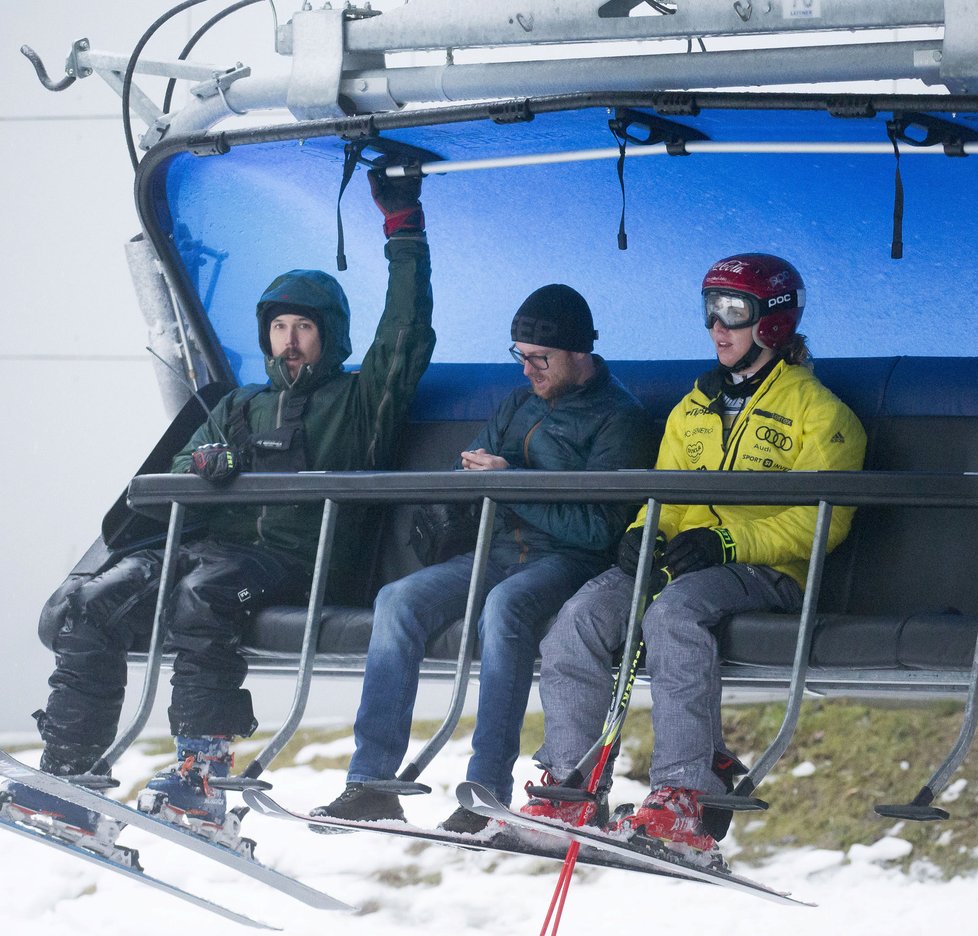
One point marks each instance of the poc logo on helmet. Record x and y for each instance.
(779, 300)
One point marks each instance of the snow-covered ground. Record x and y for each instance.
(402, 888)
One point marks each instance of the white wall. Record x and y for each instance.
(82, 408)
(81, 400)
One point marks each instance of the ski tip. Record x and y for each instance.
(260, 802)
(476, 798)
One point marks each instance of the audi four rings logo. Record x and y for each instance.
(778, 439)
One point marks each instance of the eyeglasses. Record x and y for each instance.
(734, 311)
(537, 361)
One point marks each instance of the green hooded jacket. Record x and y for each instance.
(352, 420)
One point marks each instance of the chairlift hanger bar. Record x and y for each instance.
(339, 67)
(441, 24)
(389, 90)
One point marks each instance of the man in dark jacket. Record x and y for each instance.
(573, 416)
(312, 415)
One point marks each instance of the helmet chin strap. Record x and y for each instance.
(749, 358)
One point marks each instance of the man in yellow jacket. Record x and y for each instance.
(760, 409)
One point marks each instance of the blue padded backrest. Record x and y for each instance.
(872, 387)
(929, 386)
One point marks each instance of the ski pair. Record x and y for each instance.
(510, 841)
(13, 769)
(132, 872)
(525, 835)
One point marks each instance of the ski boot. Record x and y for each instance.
(183, 796)
(465, 822)
(670, 820)
(66, 822)
(362, 804)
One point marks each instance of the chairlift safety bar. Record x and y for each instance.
(660, 149)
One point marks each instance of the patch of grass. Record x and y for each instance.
(855, 755)
(300, 740)
(304, 737)
(532, 735)
(158, 747)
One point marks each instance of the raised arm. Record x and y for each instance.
(404, 340)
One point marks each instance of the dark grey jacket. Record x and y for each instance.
(599, 426)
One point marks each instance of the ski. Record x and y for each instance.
(132, 873)
(13, 769)
(507, 840)
(479, 800)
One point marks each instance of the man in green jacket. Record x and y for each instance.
(311, 415)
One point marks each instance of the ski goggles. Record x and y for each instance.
(732, 310)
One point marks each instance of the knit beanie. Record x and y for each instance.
(555, 316)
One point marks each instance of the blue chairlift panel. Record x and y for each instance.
(241, 218)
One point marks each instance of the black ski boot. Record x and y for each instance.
(361, 804)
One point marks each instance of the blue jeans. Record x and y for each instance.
(521, 598)
(576, 679)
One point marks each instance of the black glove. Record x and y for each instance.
(215, 462)
(398, 198)
(658, 579)
(699, 548)
(631, 544)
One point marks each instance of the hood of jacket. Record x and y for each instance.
(317, 296)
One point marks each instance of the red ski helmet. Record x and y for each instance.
(757, 290)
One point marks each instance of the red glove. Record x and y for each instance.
(398, 198)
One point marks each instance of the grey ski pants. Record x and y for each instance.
(682, 663)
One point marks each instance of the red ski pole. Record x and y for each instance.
(615, 718)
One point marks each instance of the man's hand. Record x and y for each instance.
(216, 462)
(630, 545)
(699, 548)
(481, 460)
(398, 199)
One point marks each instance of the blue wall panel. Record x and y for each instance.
(496, 235)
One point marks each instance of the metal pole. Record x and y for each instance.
(806, 627)
(307, 658)
(469, 635)
(659, 149)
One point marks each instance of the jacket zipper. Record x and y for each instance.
(278, 425)
(733, 443)
(517, 531)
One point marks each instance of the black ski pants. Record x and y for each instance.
(92, 622)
